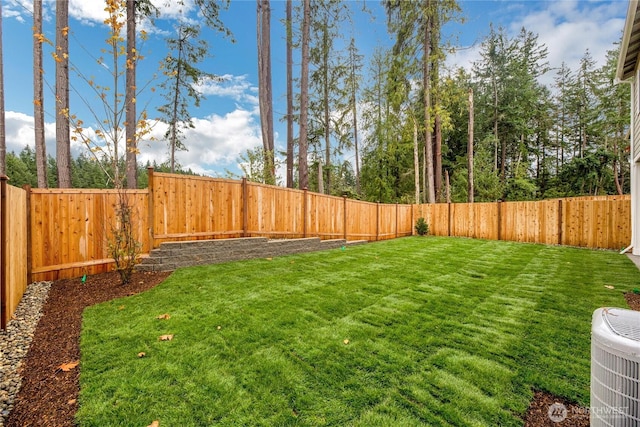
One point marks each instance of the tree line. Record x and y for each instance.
(409, 129)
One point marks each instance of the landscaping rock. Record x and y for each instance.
(15, 342)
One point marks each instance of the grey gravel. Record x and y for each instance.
(15, 342)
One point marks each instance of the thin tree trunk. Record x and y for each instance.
(117, 115)
(470, 150)
(38, 97)
(426, 81)
(303, 170)
(320, 176)
(434, 28)
(289, 96)
(173, 125)
(495, 124)
(448, 186)
(416, 161)
(437, 159)
(325, 101)
(130, 98)
(264, 88)
(63, 138)
(354, 108)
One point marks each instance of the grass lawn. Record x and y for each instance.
(441, 331)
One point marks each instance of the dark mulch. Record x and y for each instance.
(633, 300)
(538, 413)
(48, 396)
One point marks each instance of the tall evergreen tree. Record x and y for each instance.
(38, 96)
(264, 87)
(131, 120)
(303, 144)
(186, 51)
(61, 55)
(290, 143)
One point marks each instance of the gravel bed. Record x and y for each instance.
(15, 342)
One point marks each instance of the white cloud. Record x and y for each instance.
(87, 12)
(567, 28)
(20, 133)
(93, 11)
(214, 144)
(237, 88)
(21, 10)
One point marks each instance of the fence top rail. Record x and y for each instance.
(361, 202)
(195, 177)
(260, 184)
(326, 196)
(85, 191)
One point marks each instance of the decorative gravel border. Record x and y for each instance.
(15, 342)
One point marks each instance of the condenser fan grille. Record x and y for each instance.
(623, 322)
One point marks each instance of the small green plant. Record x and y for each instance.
(422, 228)
(636, 291)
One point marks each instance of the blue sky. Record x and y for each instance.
(227, 122)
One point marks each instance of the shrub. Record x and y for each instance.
(422, 228)
(123, 245)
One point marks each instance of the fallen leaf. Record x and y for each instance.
(345, 342)
(609, 287)
(66, 367)
(142, 354)
(167, 337)
(121, 307)
(154, 424)
(269, 259)
(165, 316)
(72, 402)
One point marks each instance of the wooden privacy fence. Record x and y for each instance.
(68, 228)
(13, 248)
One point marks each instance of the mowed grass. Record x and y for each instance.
(441, 331)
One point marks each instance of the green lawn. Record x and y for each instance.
(441, 331)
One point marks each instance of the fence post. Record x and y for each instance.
(499, 219)
(413, 219)
(245, 207)
(345, 216)
(560, 220)
(396, 220)
(3, 253)
(449, 219)
(27, 189)
(377, 221)
(150, 216)
(305, 207)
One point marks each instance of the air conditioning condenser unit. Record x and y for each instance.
(615, 368)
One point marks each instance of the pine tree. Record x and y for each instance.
(61, 55)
